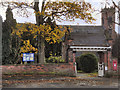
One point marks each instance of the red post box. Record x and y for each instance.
(115, 65)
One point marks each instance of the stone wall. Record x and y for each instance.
(62, 69)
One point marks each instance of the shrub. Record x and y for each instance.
(88, 62)
(55, 59)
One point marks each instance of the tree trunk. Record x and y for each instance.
(19, 43)
(63, 51)
(41, 40)
(42, 50)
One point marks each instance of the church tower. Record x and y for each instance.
(108, 23)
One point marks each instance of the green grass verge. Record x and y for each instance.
(79, 71)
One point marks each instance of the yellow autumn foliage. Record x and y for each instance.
(27, 47)
(47, 32)
(50, 35)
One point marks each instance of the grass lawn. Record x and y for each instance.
(93, 74)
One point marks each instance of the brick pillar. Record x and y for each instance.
(74, 56)
(106, 62)
(74, 62)
(109, 57)
(105, 58)
(70, 55)
(101, 56)
(66, 51)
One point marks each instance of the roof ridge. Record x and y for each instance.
(79, 25)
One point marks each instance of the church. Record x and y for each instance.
(93, 39)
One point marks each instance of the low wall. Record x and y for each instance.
(63, 69)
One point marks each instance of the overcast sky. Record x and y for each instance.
(96, 4)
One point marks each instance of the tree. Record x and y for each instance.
(7, 49)
(118, 11)
(25, 40)
(55, 11)
(53, 49)
(115, 49)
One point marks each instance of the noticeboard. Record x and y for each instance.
(28, 57)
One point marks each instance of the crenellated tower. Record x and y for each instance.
(108, 23)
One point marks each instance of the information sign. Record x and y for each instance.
(28, 57)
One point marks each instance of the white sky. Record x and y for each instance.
(97, 5)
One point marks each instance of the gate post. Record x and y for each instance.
(109, 60)
(74, 62)
(101, 66)
(74, 56)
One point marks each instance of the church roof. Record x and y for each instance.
(88, 36)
